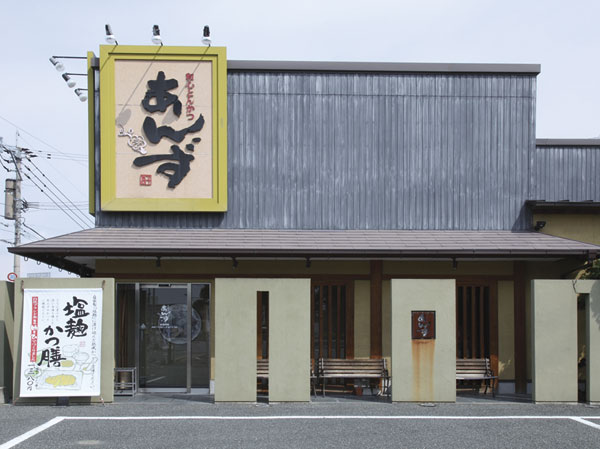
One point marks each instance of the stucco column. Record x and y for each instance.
(236, 333)
(289, 340)
(554, 345)
(424, 370)
(235, 341)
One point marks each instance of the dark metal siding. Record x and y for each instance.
(371, 151)
(566, 173)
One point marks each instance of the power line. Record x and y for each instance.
(65, 178)
(60, 191)
(65, 207)
(36, 138)
(33, 230)
(51, 199)
(4, 167)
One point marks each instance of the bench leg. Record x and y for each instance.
(324, 382)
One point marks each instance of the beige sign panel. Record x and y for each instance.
(163, 129)
(162, 85)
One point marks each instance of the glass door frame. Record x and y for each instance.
(188, 364)
(137, 323)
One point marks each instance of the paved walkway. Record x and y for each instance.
(180, 421)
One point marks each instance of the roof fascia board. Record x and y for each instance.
(394, 67)
(567, 143)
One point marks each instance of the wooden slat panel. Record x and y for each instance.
(267, 325)
(337, 324)
(376, 290)
(259, 325)
(320, 304)
(482, 322)
(328, 289)
(473, 324)
(312, 322)
(464, 325)
(520, 325)
(493, 320)
(350, 320)
(458, 299)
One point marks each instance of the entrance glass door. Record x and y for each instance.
(163, 336)
(164, 331)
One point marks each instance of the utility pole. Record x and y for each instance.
(18, 203)
(13, 197)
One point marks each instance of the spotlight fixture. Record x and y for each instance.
(59, 66)
(70, 81)
(234, 262)
(81, 93)
(110, 37)
(206, 36)
(308, 262)
(539, 225)
(157, 261)
(454, 263)
(156, 39)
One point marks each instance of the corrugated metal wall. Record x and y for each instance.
(565, 173)
(371, 151)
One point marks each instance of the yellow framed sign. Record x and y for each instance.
(163, 122)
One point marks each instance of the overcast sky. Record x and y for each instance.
(561, 36)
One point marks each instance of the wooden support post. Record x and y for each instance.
(520, 334)
(376, 278)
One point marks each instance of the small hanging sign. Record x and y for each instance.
(423, 325)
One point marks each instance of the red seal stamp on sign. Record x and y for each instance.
(145, 180)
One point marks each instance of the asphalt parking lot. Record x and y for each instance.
(181, 422)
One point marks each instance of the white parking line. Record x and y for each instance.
(587, 423)
(320, 417)
(58, 419)
(32, 432)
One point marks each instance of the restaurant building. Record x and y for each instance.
(294, 211)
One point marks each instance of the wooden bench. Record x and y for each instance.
(262, 372)
(353, 369)
(476, 370)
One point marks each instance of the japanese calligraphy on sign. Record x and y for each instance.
(163, 129)
(61, 342)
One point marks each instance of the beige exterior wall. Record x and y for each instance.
(554, 329)
(7, 341)
(235, 339)
(539, 271)
(581, 227)
(289, 340)
(506, 330)
(108, 332)
(362, 319)
(423, 370)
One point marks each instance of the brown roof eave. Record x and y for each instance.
(315, 252)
